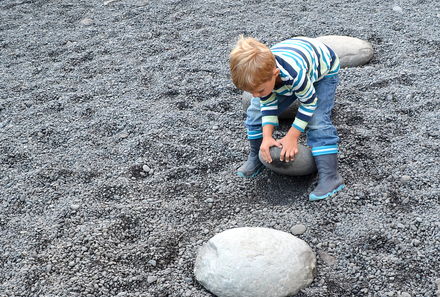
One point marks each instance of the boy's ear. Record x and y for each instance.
(276, 71)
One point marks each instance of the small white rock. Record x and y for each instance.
(298, 229)
(87, 22)
(405, 179)
(397, 9)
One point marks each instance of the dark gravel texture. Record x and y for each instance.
(121, 132)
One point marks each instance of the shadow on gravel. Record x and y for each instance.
(277, 189)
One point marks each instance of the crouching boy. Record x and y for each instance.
(301, 69)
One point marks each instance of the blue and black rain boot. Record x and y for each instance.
(330, 181)
(253, 165)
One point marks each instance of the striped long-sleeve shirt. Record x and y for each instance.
(302, 61)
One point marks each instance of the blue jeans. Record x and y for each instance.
(320, 131)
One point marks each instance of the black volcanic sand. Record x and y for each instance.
(121, 133)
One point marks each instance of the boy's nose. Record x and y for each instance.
(256, 94)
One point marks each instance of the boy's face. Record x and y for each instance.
(266, 88)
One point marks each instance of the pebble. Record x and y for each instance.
(405, 179)
(86, 22)
(188, 293)
(109, 2)
(146, 168)
(74, 206)
(298, 229)
(151, 279)
(209, 200)
(397, 9)
(416, 242)
(152, 262)
(326, 258)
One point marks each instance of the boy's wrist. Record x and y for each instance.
(294, 133)
(267, 131)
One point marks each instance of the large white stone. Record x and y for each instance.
(288, 114)
(255, 262)
(303, 163)
(352, 52)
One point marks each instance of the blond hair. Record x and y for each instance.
(252, 64)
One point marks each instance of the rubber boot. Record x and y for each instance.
(253, 165)
(330, 181)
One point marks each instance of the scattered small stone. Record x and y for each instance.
(86, 22)
(209, 200)
(151, 279)
(405, 179)
(397, 9)
(74, 206)
(416, 242)
(298, 229)
(109, 2)
(400, 226)
(326, 258)
(146, 168)
(152, 262)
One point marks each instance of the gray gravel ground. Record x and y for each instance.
(121, 132)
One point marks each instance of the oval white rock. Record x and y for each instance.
(255, 262)
(352, 52)
(303, 164)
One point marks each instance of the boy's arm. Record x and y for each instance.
(290, 144)
(268, 142)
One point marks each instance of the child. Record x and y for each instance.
(298, 68)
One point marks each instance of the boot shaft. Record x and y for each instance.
(255, 146)
(327, 165)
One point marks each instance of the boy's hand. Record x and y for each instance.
(289, 145)
(267, 143)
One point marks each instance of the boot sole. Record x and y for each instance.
(254, 174)
(313, 197)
